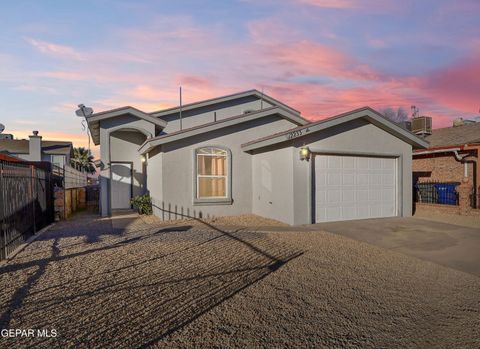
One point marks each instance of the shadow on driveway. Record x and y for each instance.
(449, 245)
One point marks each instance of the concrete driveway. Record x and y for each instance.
(449, 245)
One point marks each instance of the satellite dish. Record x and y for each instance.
(83, 111)
(2, 128)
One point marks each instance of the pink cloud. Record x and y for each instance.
(316, 78)
(456, 85)
(64, 75)
(56, 50)
(367, 5)
(195, 81)
(331, 3)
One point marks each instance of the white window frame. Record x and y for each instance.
(212, 200)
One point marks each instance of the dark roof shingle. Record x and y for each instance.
(460, 135)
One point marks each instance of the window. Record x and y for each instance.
(58, 160)
(212, 166)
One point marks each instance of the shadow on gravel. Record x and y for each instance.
(139, 285)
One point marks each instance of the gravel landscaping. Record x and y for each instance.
(139, 282)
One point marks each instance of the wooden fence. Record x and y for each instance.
(26, 203)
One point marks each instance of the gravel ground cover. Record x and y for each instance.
(132, 282)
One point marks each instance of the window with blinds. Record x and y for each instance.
(212, 173)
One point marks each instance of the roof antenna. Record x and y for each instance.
(180, 108)
(261, 100)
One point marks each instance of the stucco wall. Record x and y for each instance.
(356, 137)
(107, 127)
(124, 147)
(172, 188)
(272, 183)
(199, 116)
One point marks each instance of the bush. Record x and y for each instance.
(143, 203)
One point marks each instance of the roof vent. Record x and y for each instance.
(248, 111)
(35, 133)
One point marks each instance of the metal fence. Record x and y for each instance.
(26, 203)
(443, 193)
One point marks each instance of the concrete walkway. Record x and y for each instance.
(449, 245)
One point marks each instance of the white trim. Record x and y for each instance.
(198, 176)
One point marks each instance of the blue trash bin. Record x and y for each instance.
(446, 193)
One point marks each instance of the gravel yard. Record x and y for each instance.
(131, 282)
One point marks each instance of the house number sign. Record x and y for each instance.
(297, 133)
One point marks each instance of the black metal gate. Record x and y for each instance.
(26, 203)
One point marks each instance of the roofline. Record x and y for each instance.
(151, 143)
(206, 102)
(446, 147)
(365, 112)
(466, 146)
(97, 117)
(125, 110)
(437, 151)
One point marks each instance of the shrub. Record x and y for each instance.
(143, 203)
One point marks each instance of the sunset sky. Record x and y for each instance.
(322, 57)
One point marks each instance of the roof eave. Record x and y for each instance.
(207, 102)
(94, 120)
(368, 113)
(149, 144)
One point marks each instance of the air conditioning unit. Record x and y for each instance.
(422, 125)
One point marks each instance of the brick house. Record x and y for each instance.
(451, 157)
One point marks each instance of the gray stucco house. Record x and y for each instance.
(249, 153)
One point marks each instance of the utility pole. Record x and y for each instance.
(180, 108)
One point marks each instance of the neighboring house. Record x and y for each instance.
(36, 149)
(249, 153)
(451, 157)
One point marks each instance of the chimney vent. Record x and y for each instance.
(35, 133)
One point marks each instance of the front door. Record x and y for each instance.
(121, 185)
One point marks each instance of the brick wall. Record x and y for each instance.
(440, 167)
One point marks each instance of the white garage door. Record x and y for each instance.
(354, 187)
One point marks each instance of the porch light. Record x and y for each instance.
(304, 153)
(144, 159)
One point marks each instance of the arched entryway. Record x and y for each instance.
(128, 175)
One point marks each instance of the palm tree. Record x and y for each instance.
(82, 160)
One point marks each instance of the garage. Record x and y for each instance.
(354, 187)
(356, 165)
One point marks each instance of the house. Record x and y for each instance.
(451, 157)
(250, 153)
(36, 149)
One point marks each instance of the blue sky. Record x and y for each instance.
(321, 56)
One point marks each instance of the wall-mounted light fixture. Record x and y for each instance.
(144, 159)
(304, 153)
